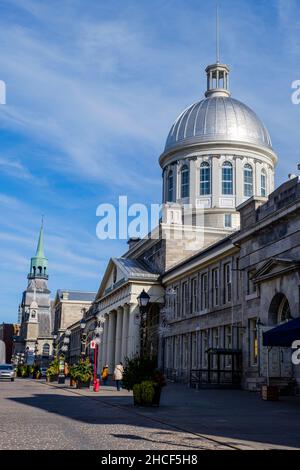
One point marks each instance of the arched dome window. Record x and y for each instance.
(185, 181)
(263, 184)
(170, 187)
(205, 179)
(248, 181)
(227, 178)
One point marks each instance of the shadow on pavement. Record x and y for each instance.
(230, 415)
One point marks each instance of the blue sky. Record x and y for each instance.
(92, 90)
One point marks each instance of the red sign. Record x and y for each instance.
(93, 344)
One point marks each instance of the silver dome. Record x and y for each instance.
(218, 119)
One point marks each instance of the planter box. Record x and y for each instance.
(52, 378)
(155, 401)
(72, 382)
(80, 384)
(270, 393)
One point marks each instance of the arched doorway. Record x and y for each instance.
(280, 363)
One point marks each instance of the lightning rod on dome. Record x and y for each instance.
(217, 34)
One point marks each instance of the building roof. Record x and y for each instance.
(218, 118)
(135, 269)
(77, 295)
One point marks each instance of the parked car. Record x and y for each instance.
(43, 371)
(7, 372)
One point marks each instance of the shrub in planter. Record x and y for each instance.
(19, 368)
(53, 371)
(81, 373)
(24, 371)
(143, 393)
(137, 370)
(146, 381)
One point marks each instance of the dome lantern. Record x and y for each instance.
(217, 80)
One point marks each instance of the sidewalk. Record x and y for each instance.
(238, 418)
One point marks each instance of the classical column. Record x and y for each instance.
(103, 356)
(118, 345)
(133, 343)
(111, 341)
(125, 332)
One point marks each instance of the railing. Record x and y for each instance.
(200, 377)
(177, 375)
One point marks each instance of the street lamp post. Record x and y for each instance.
(54, 345)
(98, 332)
(83, 336)
(64, 349)
(143, 300)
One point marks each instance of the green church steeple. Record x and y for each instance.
(39, 263)
(40, 247)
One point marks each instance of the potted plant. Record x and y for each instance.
(52, 371)
(82, 373)
(270, 392)
(24, 371)
(72, 372)
(142, 376)
(36, 374)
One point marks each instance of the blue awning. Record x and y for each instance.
(283, 335)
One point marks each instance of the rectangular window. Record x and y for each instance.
(194, 295)
(185, 352)
(204, 291)
(228, 344)
(185, 298)
(177, 303)
(253, 339)
(194, 350)
(228, 221)
(216, 286)
(227, 283)
(215, 345)
(251, 287)
(205, 346)
(238, 276)
(205, 179)
(263, 185)
(227, 179)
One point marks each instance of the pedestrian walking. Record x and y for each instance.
(104, 374)
(118, 374)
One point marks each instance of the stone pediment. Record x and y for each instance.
(275, 267)
(121, 270)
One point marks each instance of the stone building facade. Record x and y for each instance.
(227, 248)
(69, 307)
(230, 293)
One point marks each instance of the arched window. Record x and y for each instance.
(40, 269)
(170, 187)
(284, 311)
(185, 181)
(46, 349)
(205, 179)
(263, 184)
(227, 178)
(248, 181)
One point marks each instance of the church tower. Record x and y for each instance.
(36, 321)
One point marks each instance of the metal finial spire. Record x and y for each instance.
(217, 34)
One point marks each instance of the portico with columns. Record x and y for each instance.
(117, 301)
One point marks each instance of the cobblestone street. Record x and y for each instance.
(35, 415)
